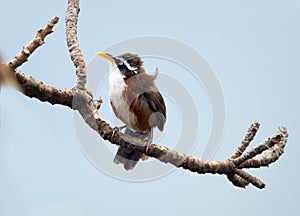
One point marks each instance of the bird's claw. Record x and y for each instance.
(118, 129)
(148, 145)
(149, 139)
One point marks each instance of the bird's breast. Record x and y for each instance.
(117, 88)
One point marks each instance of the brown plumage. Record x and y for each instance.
(136, 101)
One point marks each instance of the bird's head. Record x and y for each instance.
(127, 64)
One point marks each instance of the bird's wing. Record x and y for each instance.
(153, 109)
(157, 104)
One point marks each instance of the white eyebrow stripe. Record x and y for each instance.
(128, 65)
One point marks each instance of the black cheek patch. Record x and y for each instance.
(123, 68)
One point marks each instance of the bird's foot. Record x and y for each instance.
(148, 145)
(118, 129)
(149, 139)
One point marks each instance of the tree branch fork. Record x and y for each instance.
(81, 99)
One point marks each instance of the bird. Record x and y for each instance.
(136, 101)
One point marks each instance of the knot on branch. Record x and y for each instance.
(80, 98)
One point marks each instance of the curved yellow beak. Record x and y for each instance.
(105, 55)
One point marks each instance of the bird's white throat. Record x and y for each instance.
(117, 86)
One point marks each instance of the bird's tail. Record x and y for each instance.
(129, 157)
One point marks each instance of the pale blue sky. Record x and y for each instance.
(253, 48)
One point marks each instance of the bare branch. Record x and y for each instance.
(36, 89)
(249, 178)
(37, 41)
(79, 98)
(246, 141)
(269, 143)
(72, 42)
(237, 181)
(270, 155)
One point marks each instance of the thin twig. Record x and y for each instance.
(270, 155)
(36, 42)
(246, 141)
(98, 103)
(249, 178)
(269, 143)
(237, 180)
